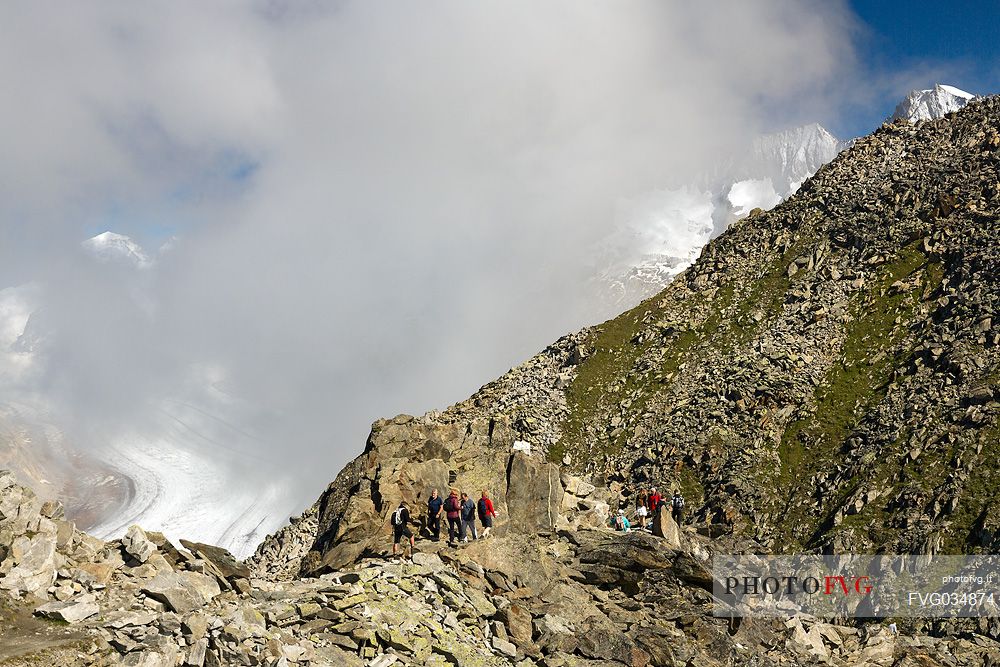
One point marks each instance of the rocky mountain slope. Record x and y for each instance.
(824, 376)
(588, 598)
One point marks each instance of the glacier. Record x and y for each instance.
(189, 472)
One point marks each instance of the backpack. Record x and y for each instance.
(679, 502)
(481, 506)
(397, 517)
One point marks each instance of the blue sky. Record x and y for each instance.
(919, 43)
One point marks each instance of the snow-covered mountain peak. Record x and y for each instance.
(932, 103)
(791, 156)
(109, 246)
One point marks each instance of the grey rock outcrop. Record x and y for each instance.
(137, 545)
(664, 526)
(71, 612)
(534, 494)
(182, 592)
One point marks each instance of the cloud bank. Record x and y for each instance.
(369, 208)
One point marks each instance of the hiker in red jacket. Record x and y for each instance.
(486, 513)
(654, 501)
(453, 509)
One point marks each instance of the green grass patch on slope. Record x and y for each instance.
(608, 375)
(766, 298)
(856, 383)
(979, 493)
(611, 375)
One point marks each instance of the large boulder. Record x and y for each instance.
(617, 559)
(182, 591)
(137, 545)
(20, 508)
(664, 526)
(555, 633)
(34, 564)
(356, 528)
(71, 611)
(534, 494)
(93, 574)
(636, 551)
(518, 622)
(6, 481)
(224, 562)
(170, 554)
(602, 640)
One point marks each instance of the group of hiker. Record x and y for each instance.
(461, 512)
(647, 504)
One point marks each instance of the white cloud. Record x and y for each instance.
(379, 206)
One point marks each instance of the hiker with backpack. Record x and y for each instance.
(677, 507)
(486, 513)
(400, 520)
(435, 506)
(453, 509)
(468, 518)
(620, 522)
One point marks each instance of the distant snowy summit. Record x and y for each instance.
(932, 103)
(658, 234)
(112, 247)
(789, 157)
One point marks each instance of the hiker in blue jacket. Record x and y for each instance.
(435, 508)
(468, 518)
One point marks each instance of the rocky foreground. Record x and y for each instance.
(583, 596)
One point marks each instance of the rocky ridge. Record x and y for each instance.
(584, 597)
(824, 377)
